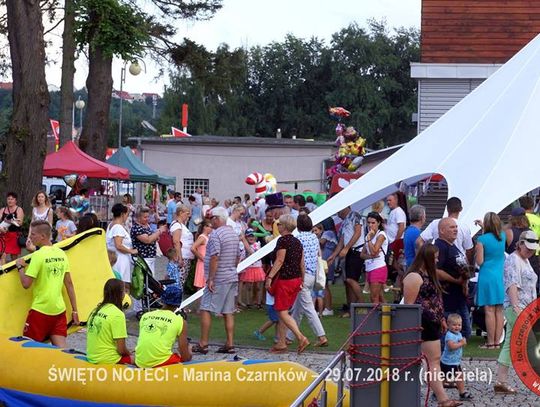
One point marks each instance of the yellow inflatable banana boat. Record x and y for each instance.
(37, 374)
(89, 268)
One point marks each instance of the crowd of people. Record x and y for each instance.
(432, 266)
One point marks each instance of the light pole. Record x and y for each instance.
(79, 104)
(134, 69)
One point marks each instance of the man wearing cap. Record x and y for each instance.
(159, 330)
(463, 240)
(222, 257)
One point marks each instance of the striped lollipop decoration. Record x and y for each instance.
(257, 179)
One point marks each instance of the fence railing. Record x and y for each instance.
(341, 360)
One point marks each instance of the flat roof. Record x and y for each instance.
(239, 141)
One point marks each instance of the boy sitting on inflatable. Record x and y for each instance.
(158, 331)
(107, 333)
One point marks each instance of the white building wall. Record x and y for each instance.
(227, 166)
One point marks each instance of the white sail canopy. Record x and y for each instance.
(487, 147)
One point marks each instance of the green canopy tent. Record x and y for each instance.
(138, 171)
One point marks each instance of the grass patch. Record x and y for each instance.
(337, 329)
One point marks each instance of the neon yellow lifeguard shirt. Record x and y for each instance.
(107, 325)
(158, 330)
(48, 267)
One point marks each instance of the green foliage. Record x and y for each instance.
(116, 28)
(290, 85)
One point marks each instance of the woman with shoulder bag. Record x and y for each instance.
(303, 305)
(288, 271)
(374, 253)
(12, 219)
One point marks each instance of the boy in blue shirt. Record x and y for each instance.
(451, 356)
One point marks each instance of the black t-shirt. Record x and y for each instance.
(453, 296)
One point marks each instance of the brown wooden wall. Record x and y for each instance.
(477, 31)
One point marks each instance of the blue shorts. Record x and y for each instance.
(272, 314)
(317, 294)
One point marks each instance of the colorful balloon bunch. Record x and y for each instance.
(351, 145)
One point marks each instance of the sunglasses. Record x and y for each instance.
(531, 240)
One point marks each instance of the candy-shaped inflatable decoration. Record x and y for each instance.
(257, 179)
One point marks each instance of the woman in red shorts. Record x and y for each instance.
(12, 217)
(284, 282)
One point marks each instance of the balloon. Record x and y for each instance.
(263, 232)
(339, 129)
(79, 204)
(339, 112)
(82, 180)
(357, 161)
(70, 179)
(350, 133)
(271, 183)
(257, 179)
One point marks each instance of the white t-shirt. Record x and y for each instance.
(397, 216)
(115, 231)
(186, 239)
(463, 241)
(377, 262)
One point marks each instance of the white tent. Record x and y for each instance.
(487, 147)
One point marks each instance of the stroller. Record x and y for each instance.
(145, 287)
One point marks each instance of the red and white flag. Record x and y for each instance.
(55, 125)
(179, 133)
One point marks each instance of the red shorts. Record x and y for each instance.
(173, 360)
(125, 360)
(41, 327)
(285, 293)
(397, 247)
(377, 276)
(12, 245)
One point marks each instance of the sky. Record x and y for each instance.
(257, 22)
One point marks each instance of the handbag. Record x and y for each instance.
(320, 275)
(21, 240)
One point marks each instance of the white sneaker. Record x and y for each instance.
(327, 312)
(388, 288)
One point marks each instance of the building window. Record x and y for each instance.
(191, 184)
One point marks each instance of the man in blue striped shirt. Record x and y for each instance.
(222, 256)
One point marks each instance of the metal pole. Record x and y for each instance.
(122, 78)
(72, 121)
(386, 324)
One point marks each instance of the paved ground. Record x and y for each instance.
(482, 389)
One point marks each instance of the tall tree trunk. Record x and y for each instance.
(27, 136)
(68, 72)
(96, 123)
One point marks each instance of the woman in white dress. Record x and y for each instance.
(182, 239)
(42, 208)
(119, 241)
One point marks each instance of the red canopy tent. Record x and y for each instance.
(71, 160)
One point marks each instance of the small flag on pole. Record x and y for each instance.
(179, 133)
(55, 125)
